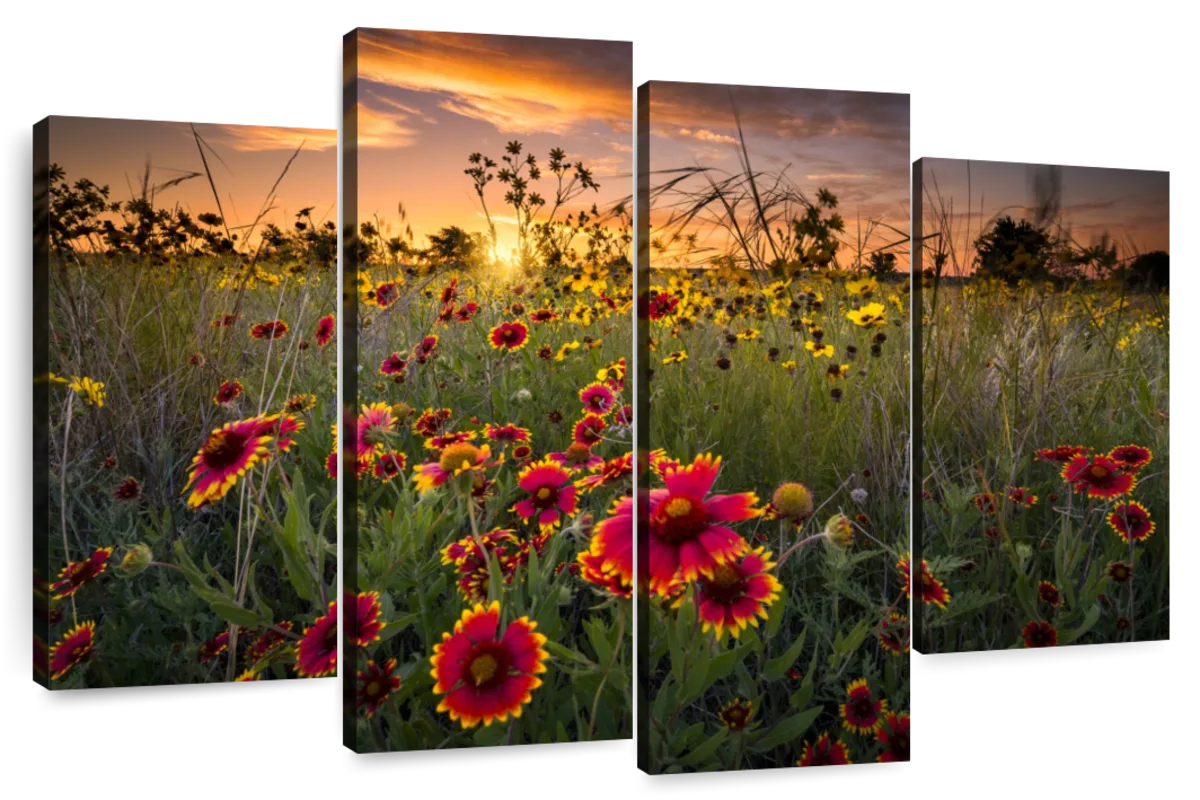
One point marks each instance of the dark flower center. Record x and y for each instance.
(329, 640)
(487, 666)
(223, 449)
(899, 746)
(726, 585)
(862, 707)
(679, 519)
(545, 496)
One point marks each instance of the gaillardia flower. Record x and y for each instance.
(686, 539)
(1119, 571)
(597, 398)
(127, 489)
(861, 713)
(73, 649)
(608, 561)
(1131, 521)
(736, 714)
(487, 674)
(893, 734)
(1061, 454)
(544, 481)
(375, 684)
(824, 753)
(228, 454)
(791, 501)
(457, 459)
(1048, 593)
(894, 634)
(928, 588)
(269, 330)
(78, 573)
(508, 336)
(325, 329)
(1100, 476)
(316, 655)
(1039, 634)
(1131, 457)
(214, 647)
(365, 621)
(227, 392)
(737, 593)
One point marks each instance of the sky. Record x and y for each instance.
(1131, 206)
(856, 144)
(426, 101)
(115, 152)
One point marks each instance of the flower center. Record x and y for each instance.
(578, 453)
(1099, 473)
(726, 585)
(454, 456)
(679, 519)
(487, 666)
(862, 707)
(330, 638)
(373, 688)
(545, 497)
(223, 449)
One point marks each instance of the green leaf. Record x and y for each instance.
(801, 697)
(791, 729)
(231, 612)
(706, 748)
(598, 636)
(777, 667)
(697, 675)
(1088, 621)
(775, 616)
(490, 734)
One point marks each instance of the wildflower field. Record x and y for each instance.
(1045, 479)
(492, 449)
(191, 391)
(775, 631)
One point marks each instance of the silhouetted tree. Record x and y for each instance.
(1013, 250)
(1150, 270)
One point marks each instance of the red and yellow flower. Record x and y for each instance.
(227, 392)
(73, 649)
(737, 593)
(214, 646)
(686, 537)
(736, 714)
(824, 753)
(456, 460)
(929, 588)
(389, 465)
(861, 713)
(487, 674)
(608, 561)
(608, 472)
(269, 330)
(597, 398)
(325, 330)
(506, 433)
(894, 633)
(128, 489)
(375, 684)
(1039, 634)
(316, 654)
(509, 336)
(1048, 593)
(365, 620)
(1131, 520)
(1099, 476)
(1131, 457)
(229, 453)
(76, 574)
(894, 735)
(1061, 454)
(548, 496)
(1022, 496)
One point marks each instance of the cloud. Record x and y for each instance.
(258, 138)
(383, 128)
(704, 135)
(518, 84)
(782, 112)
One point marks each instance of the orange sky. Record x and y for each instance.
(856, 144)
(426, 101)
(248, 160)
(1131, 206)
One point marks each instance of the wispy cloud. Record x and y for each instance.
(381, 127)
(257, 138)
(515, 83)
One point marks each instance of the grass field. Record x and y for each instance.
(191, 397)
(1025, 382)
(493, 445)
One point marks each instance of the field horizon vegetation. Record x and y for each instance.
(492, 450)
(774, 627)
(1046, 427)
(191, 392)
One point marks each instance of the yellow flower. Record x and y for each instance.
(790, 366)
(870, 315)
(818, 350)
(862, 288)
(91, 391)
(748, 334)
(676, 357)
(565, 349)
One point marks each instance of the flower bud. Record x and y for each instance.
(839, 532)
(137, 560)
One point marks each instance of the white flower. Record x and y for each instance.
(523, 396)
(858, 495)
